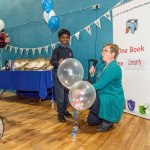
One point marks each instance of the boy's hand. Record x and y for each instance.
(60, 60)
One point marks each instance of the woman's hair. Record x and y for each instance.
(63, 31)
(114, 48)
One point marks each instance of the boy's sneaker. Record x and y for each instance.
(67, 114)
(61, 118)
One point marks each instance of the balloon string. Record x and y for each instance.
(75, 117)
(52, 99)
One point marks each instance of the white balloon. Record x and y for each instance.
(46, 16)
(2, 24)
(51, 13)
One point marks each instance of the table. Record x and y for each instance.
(39, 81)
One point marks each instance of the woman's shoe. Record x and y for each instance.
(104, 126)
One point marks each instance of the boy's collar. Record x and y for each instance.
(61, 46)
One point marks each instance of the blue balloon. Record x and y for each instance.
(53, 23)
(47, 5)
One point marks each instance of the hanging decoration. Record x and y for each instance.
(39, 49)
(107, 15)
(21, 50)
(70, 42)
(4, 38)
(97, 22)
(49, 15)
(118, 4)
(2, 25)
(77, 35)
(47, 5)
(88, 29)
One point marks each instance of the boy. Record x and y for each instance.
(61, 93)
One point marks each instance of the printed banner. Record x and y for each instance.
(131, 28)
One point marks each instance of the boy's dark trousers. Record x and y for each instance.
(61, 95)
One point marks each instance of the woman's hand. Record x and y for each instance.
(92, 70)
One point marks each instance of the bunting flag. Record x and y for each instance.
(40, 49)
(122, 1)
(46, 49)
(33, 51)
(27, 51)
(21, 50)
(70, 42)
(118, 4)
(10, 49)
(77, 35)
(88, 29)
(97, 22)
(53, 45)
(6, 47)
(107, 15)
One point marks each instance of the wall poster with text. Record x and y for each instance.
(131, 31)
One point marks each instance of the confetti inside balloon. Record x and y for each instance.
(82, 95)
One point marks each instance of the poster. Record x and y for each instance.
(131, 31)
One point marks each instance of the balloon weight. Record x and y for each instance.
(1, 128)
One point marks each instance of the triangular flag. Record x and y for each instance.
(88, 29)
(14, 49)
(8, 45)
(33, 51)
(5, 48)
(70, 42)
(107, 15)
(11, 48)
(27, 51)
(46, 49)
(97, 22)
(77, 35)
(39, 49)
(53, 45)
(21, 50)
(118, 4)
